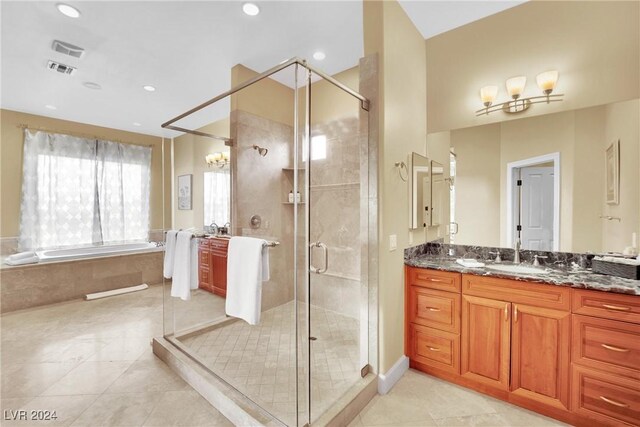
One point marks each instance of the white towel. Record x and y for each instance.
(169, 253)
(21, 261)
(470, 262)
(185, 273)
(21, 255)
(247, 268)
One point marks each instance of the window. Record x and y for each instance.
(79, 191)
(217, 185)
(318, 148)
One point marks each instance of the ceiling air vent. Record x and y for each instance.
(67, 49)
(61, 68)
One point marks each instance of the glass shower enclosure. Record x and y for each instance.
(299, 168)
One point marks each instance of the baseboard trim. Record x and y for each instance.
(387, 380)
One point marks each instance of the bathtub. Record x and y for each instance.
(70, 273)
(96, 251)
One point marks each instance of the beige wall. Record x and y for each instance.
(12, 139)
(269, 98)
(595, 46)
(477, 184)
(330, 103)
(402, 129)
(189, 152)
(622, 122)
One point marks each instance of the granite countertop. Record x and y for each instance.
(557, 275)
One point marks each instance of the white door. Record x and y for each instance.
(537, 208)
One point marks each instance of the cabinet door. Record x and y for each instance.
(540, 356)
(219, 273)
(486, 330)
(204, 271)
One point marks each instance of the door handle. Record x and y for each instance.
(326, 257)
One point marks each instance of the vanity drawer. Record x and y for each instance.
(203, 257)
(204, 279)
(606, 398)
(203, 243)
(434, 309)
(438, 349)
(534, 294)
(607, 305)
(607, 344)
(434, 279)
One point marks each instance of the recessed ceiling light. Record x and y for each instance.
(67, 10)
(136, 124)
(50, 107)
(250, 9)
(149, 88)
(92, 85)
(319, 56)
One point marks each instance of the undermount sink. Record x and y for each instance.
(512, 268)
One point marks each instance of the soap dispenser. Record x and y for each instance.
(291, 196)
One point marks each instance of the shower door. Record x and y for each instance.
(335, 163)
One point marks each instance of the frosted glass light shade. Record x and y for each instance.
(488, 94)
(515, 86)
(547, 81)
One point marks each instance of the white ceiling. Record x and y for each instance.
(185, 49)
(436, 17)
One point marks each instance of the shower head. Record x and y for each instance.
(262, 151)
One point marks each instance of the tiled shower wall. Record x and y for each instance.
(335, 217)
(257, 190)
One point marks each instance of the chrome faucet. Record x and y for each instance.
(516, 255)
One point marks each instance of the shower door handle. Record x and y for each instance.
(326, 257)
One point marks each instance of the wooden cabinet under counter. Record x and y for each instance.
(212, 265)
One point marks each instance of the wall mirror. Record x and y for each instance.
(420, 191)
(439, 194)
(560, 159)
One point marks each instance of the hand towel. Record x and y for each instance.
(470, 262)
(194, 264)
(169, 252)
(182, 266)
(21, 255)
(247, 267)
(21, 261)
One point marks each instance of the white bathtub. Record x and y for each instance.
(96, 251)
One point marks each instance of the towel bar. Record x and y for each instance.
(270, 244)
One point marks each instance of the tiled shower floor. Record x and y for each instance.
(260, 361)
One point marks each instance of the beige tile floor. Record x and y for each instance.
(91, 362)
(260, 361)
(420, 400)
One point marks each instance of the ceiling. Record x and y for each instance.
(185, 49)
(435, 17)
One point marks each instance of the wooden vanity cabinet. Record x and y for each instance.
(212, 265)
(605, 365)
(514, 337)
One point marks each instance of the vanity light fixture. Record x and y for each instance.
(68, 10)
(515, 87)
(218, 159)
(149, 88)
(319, 56)
(250, 9)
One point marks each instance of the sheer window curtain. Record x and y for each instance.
(217, 187)
(78, 191)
